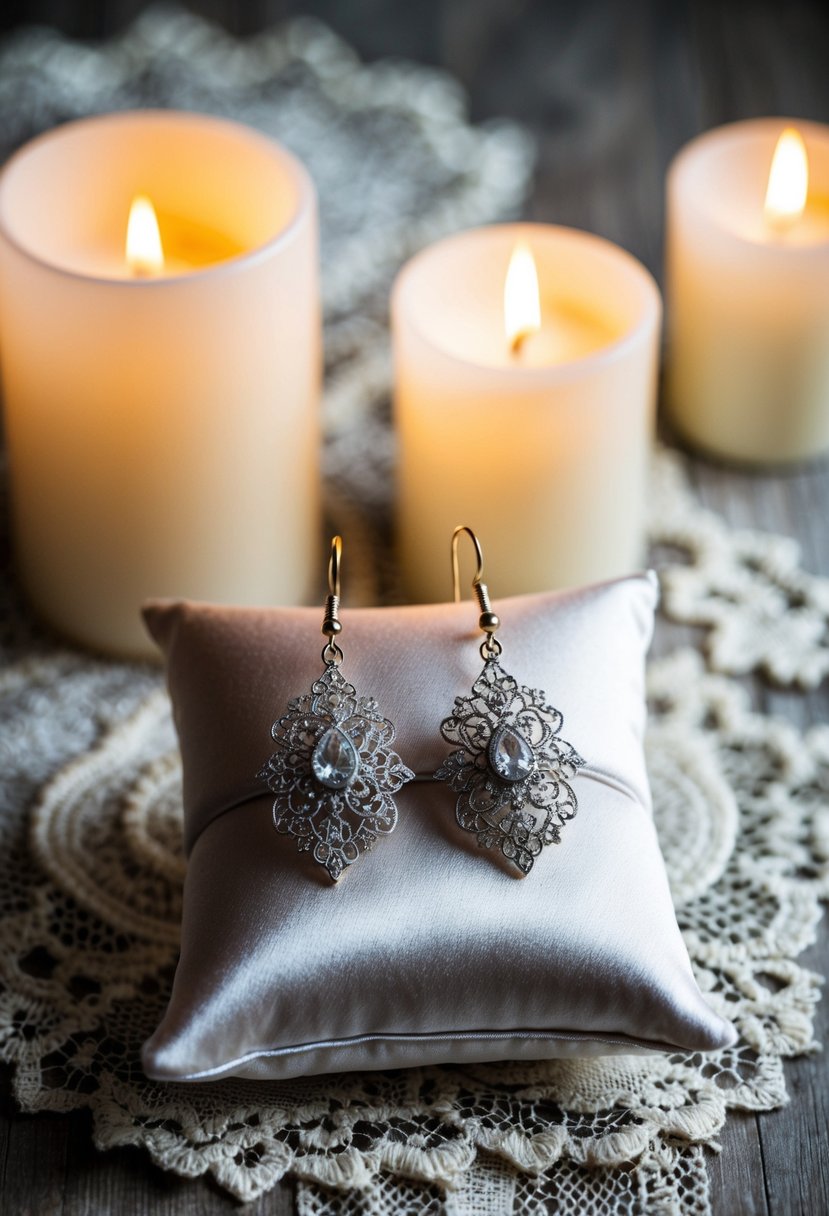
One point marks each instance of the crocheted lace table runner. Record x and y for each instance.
(90, 856)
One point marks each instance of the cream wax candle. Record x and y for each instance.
(525, 365)
(748, 291)
(160, 394)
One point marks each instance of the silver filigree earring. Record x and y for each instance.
(510, 768)
(334, 772)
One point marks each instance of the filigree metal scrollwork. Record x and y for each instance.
(511, 769)
(334, 772)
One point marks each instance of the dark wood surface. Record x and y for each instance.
(611, 91)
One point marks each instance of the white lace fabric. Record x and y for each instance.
(90, 851)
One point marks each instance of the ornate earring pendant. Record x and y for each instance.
(334, 771)
(510, 768)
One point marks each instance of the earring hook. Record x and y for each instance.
(479, 557)
(331, 624)
(488, 621)
(334, 566)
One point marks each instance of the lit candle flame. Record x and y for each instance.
(145, 256)
(522, 306)
(788, 181)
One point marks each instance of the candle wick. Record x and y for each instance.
(517, 343)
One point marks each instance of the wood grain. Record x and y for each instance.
(611, 92)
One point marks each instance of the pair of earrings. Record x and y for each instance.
(334, 772)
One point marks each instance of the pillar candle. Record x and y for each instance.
(542, 445)
(748, 297)
(161, 419)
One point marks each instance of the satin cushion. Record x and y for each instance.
(429, 949)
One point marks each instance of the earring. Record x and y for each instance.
(334, 772)
(510, 769)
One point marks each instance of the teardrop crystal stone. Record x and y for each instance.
(510, 755)
(334, 760)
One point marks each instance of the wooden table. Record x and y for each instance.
(612, 91)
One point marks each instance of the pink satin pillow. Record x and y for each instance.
(429, 949)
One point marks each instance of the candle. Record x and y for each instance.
(161, 395)
(748, 291)
(529, 417)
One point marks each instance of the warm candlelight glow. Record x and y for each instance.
(788, 181)
(145, 256)
(522, 306)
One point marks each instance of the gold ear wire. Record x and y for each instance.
(331, 624)
(488, 621)
(456, 577)
(334, 566)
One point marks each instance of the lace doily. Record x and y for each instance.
(90, 856)
(764, 612)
